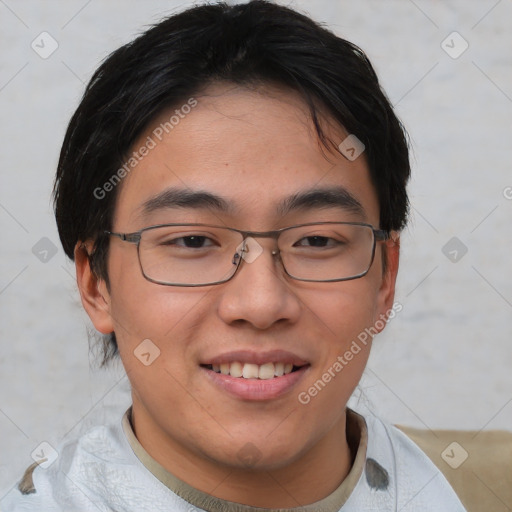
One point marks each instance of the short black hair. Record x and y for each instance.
(256, 43)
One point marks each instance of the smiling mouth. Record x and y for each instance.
(265, 371)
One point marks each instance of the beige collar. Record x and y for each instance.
(357, 436)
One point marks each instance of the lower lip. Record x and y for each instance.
(257, 389)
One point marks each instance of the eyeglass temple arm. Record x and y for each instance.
(133, 238)
(381, 235)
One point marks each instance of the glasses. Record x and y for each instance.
(203, 254)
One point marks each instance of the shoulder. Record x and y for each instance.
(413, 483)
(97, 472)
(60, 485)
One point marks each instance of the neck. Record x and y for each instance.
(307, 479)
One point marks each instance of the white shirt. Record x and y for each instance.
(107, 469)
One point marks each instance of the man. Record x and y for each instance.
(232, 188)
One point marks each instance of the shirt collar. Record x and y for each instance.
(357, 437)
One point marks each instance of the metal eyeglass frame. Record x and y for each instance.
(379, 235)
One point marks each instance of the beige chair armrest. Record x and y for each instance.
(478, 464)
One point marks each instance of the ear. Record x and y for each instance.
(93, 290)
(386, 294)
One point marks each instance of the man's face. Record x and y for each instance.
(254, 150)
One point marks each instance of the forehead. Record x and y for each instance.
(254, 151)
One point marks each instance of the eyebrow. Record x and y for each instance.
(311, 199)
(332, 197)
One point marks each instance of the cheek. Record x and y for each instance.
(142, 310)
(156, 313)
(155, 334)
(342, 316)
(341, 311)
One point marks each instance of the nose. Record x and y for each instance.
(259, 294)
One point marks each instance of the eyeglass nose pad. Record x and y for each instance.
(237, 255)
(239, 252)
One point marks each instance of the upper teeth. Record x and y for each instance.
(253, 371)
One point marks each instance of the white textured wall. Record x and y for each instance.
(444, 361)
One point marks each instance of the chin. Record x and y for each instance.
(256, 455)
